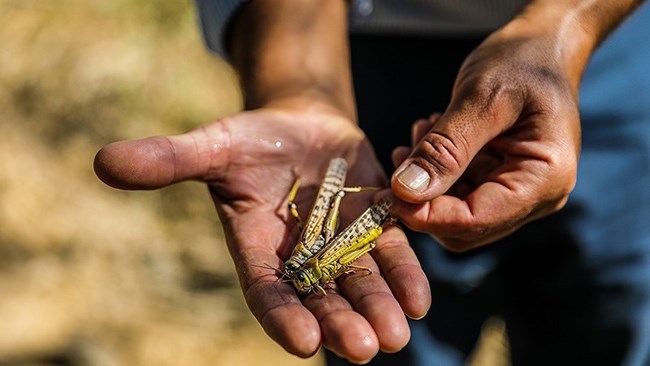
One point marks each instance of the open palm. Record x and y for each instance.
(249, 161)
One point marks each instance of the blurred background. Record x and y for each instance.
(90, 275)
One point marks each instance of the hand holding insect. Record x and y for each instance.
(247, 161)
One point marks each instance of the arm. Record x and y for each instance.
(291, 53)
(505, 151)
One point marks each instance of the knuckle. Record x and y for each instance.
(443, 154)
(563, 189)
(561, 180)
(568, 183)
(560, 204)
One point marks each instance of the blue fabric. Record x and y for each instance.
(215, 17)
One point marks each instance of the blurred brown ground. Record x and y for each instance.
(94, 276)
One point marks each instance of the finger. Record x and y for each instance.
(399, 154)
(345, 331)
(275, 304)
(418, 128)
(434, 116)
(402, 271)
(280, 313)
(472, 120)
(497, 207)
(156, 162)
(421, 127)
(371, 296)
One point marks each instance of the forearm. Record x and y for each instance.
(575, 27)
(289, 51)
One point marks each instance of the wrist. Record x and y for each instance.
(565, 42)
(295, 94)
(309, 101)
(572, 29)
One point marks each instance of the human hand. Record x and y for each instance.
(248, 161)
(504, 153)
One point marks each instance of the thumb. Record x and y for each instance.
(445, 151)
(156, 162)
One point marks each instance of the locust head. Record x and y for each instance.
(303, 282)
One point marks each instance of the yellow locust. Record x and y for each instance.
(320, 256)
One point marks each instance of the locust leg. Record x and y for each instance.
(320, 290)
(293, 209)
(353, 268)
(347, 259)
(332, 220)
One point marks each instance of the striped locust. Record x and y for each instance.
(320, 256)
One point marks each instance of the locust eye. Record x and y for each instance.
(301, 277)
(292, 266)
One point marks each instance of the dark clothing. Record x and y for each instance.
(573, 288)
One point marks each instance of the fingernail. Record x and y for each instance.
(414, 177)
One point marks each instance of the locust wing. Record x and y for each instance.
(311, 239)
(355, 239)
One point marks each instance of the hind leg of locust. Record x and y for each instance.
(332, 220)
(347, 259)
(353, 269)
(293, 209)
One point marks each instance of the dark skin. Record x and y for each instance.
(505, 151)
(503, 154)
